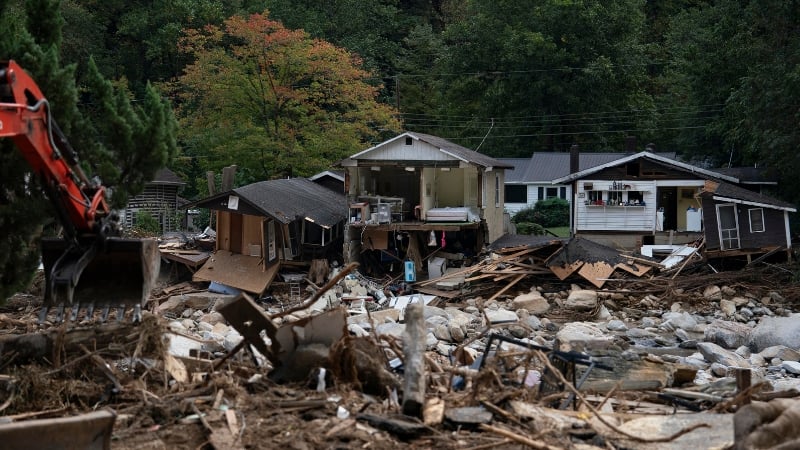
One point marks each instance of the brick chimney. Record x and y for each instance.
(574, 159)
(630, 144)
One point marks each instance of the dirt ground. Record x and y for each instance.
(236, 406)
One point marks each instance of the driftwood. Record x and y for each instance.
(45, 344)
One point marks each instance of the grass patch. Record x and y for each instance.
(559, 231)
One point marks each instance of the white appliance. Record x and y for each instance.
(694, 219)
(384, 213)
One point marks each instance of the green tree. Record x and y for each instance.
(122, 143)
(522, 76)
(274, 101)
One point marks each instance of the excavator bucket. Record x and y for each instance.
(114, 273)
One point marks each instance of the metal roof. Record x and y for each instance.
(645, 155)
(450, 148)
(544, 167)
(747, 175)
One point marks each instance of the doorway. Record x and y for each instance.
(667, 201)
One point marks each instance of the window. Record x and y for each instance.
(516, 193)
(562, 192)
(595, 197)
(615, 198)
(409, 141)
(635, 198)
(540, 193)
(552, 192)
(756, 220)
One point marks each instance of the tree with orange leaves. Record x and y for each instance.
(274, 101)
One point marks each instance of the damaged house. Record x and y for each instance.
(266, 225)
(417, 193)
(159, 198)
(649, 199)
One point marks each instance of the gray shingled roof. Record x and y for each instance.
(288, 199)
(727, 190)
(543, 167)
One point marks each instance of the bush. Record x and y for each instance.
(144, 222)
(553, 212)
(530, 228)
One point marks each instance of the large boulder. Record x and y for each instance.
(581, 300)
(776, 331)
(532, 301)
(727, 334)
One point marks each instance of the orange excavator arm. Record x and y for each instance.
(25, 117)
(116, 271)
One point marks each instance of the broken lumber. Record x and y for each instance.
(414, 369)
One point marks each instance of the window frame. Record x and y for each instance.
(750, 220)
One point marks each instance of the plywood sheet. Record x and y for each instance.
(376, 240)
(596, 273)
(236, 270)
(562, 272)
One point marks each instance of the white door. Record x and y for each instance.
(728, 227)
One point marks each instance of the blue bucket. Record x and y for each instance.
(410, 273)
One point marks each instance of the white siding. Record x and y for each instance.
(615, 217)
(399, 151)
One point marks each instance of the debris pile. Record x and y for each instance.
(517, 352)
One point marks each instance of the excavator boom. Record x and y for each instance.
(91, 266)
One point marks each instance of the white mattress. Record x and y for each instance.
(448, 214)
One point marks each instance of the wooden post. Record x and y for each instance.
(414, 368)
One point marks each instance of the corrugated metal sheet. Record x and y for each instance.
(517, 174)
(288, 199)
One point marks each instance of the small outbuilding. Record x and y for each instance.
(266, 225)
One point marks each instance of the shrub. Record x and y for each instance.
(144, 222)
(553, 212)
(530, 228)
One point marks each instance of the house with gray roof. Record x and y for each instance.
(264, 225)
(740, 221)
(646, 198)
(531, 179)
(416, 192)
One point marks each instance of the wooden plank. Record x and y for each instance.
(508, 286)
(633, 269)
(238, 271)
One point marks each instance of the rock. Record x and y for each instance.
(757, 360)
(517, 331)
(532, 301)
(792, 367)
(205, 326)
(458, 317)
(391, 329)
(534, 323)
(430, 341)
(712, 292)
(616, 325)
(468, 415)
(776, 297)
(188, 323)
(231, 340)
(776, 331)
(727, 307)
(743, 351)
(582, 336)
(581, 300)
(713, 353)
(676, 320)
(457, 333)
(187, 313)
(780, 351)
(220, 328)
(442, 332)
(213, 318)
(727, 334)
(501, 315)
